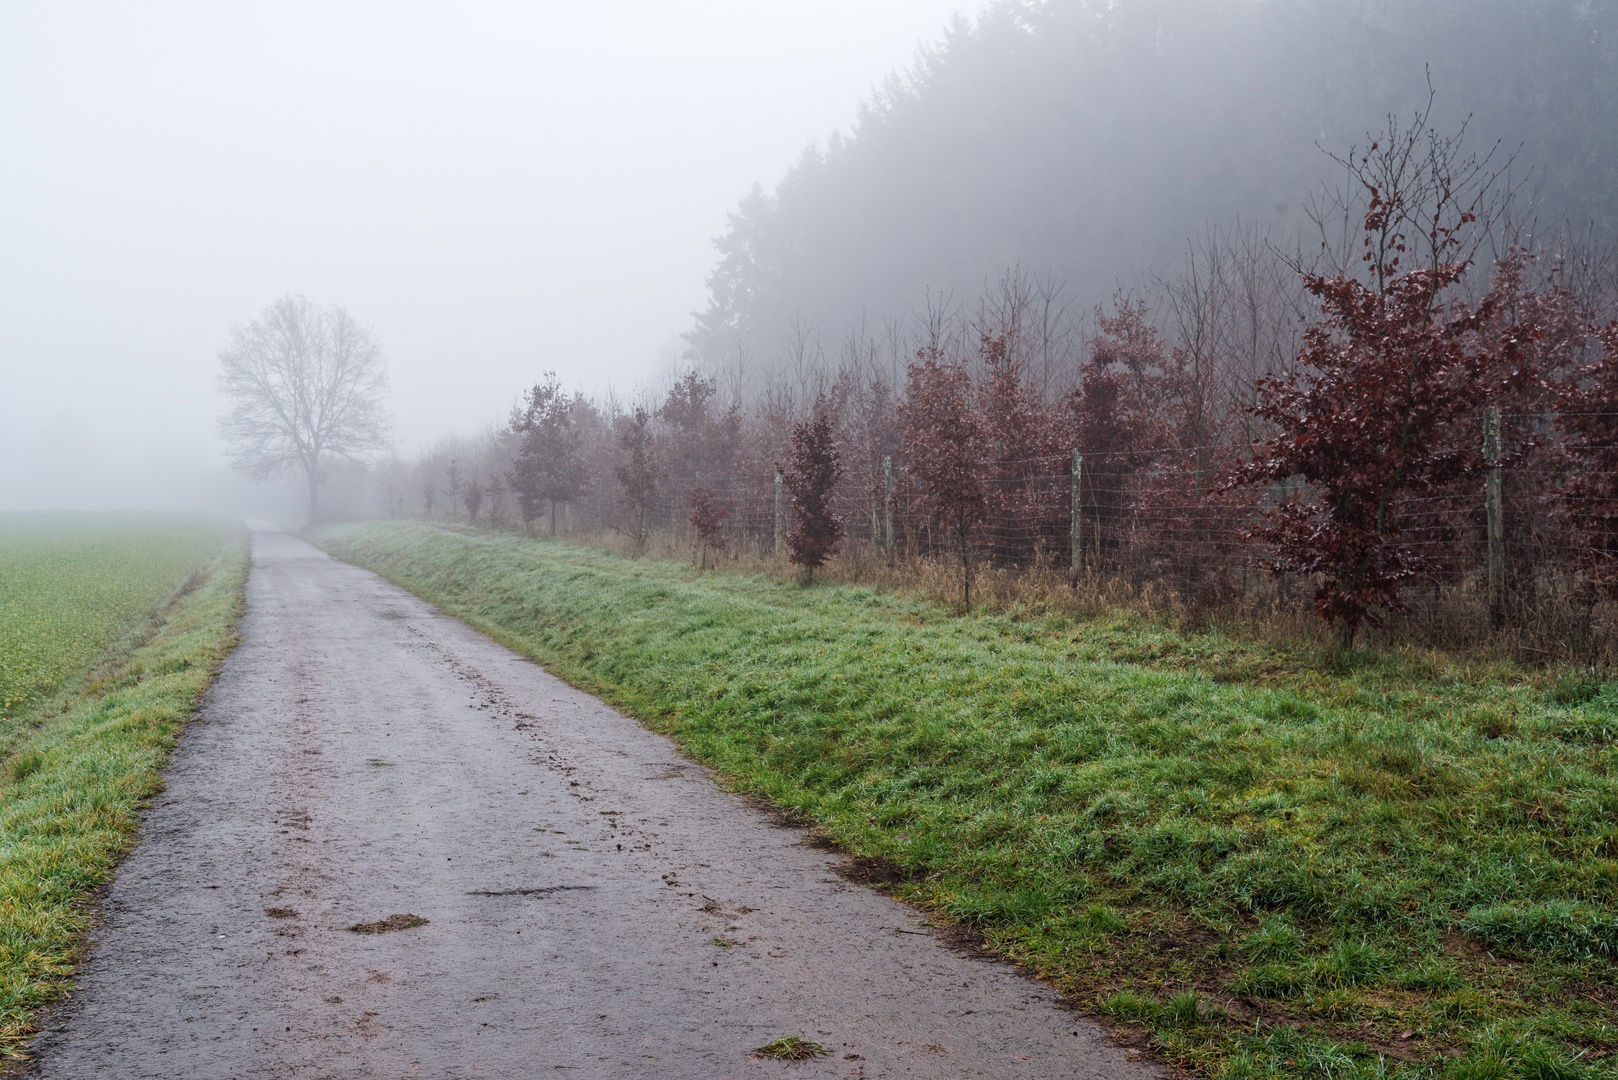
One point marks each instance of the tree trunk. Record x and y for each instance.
(312, 469)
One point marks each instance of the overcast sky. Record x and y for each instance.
(497, 189)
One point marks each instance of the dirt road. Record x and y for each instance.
(594, 905)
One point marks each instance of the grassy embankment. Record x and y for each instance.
(110, 629)
(1274, 865)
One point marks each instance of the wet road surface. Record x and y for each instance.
(595, 906)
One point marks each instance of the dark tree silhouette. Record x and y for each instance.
(453, 484)
(1224, 102)
(811, 473)
(639, 473)
(495, 490)
(549, 466)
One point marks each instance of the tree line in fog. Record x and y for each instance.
(1319, 415)
(1239, 356)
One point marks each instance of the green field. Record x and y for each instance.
(1269, 864)
(147, 608)
(73, 585)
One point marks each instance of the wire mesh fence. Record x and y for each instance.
(1516, 551)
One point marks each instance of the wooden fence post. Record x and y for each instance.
(1496, 519)
(887, 506)
(778, 513)
(1075, 529)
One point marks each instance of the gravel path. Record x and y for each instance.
(595, 906)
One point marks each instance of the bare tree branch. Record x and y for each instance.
(306, 383)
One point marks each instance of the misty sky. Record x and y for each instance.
(497, 189)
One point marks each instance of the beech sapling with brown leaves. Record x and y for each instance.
(811, 475)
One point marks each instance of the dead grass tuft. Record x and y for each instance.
(392, 922)
(1560, 626)
(792, 1048)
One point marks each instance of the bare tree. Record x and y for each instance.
(306, 384)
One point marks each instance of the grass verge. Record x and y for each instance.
(1264, 863)
(72, 791)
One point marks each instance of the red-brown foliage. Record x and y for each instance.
(1392, 377)
(1589, 417)
(810, 476)
(1020, 499)
(1207, 419)
(640, 471)
(707, 517)
(1392, 374)
(1114, 417)
(947, 447)
(700, 440)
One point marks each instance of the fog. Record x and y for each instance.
(496, 189)
(754, 194)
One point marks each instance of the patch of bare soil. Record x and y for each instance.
(876, 871)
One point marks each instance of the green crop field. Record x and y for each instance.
(71, 586)
(94, 596)
(1267, 864)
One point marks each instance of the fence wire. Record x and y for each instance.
(1163, 516)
